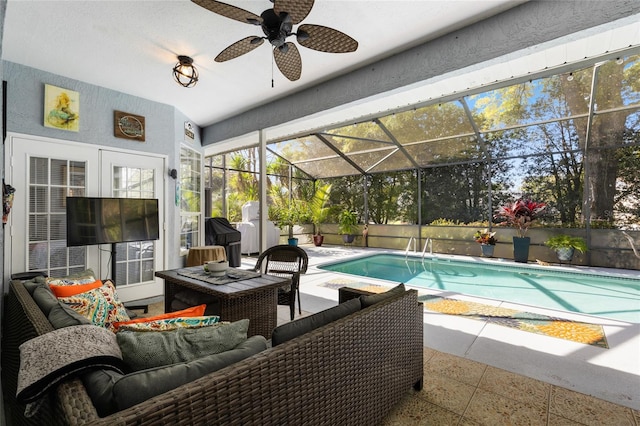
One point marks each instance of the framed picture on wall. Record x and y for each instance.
(61, 108)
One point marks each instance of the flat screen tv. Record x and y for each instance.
(97, 220)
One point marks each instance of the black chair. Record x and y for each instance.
(285, 261)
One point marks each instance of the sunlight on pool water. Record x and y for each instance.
(606, 296)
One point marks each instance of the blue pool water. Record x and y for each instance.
(606, 296)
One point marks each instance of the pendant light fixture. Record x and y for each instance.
(184, 73)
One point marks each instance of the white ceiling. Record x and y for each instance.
(131, 46)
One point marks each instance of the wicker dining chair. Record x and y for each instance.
(285, 261)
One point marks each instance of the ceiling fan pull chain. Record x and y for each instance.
(272, 85)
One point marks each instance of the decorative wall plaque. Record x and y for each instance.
(189, 134)
(128, 126)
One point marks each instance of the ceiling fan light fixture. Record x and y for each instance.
(277, 25)
(184, 72)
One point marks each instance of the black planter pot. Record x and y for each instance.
(318, 240)
(521, 249)
(348, 238)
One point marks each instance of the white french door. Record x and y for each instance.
(44, 172)
(134, 176)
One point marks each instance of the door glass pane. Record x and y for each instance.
(49, 181)
(58, 200)
(38, 200)
(77, 258)
(190, 199)
(77, 178)
(132, 258)
(39, 171)
(38, 256)
(59, 173)
(58, 254)
(38, 227)
(58, 227)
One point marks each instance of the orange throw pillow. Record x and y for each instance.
(72, 290)
(195, 311)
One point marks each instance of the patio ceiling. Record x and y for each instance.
(456, 129)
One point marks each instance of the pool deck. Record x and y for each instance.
(609, 374)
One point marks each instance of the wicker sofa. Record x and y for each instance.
(351, 371)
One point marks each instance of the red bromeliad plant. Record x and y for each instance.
(520, 214)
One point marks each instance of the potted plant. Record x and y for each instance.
(289, 215)
(348, 226)
(521, 214)
(487, 241)
(318, 211)
(566, 245)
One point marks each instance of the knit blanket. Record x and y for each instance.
(53, 357)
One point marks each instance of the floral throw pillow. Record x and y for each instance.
(194, 311)
(101, 306)
(172, 323)
(84, 277)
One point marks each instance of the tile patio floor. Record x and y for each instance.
(485, 374)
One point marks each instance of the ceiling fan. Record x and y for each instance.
(277, 25)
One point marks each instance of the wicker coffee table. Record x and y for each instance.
(254, 298)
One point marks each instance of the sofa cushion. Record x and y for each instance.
(44, 298)
(31, 285)
(143, 349)
(63, 316)
(112, 392)
(58, 313)
(301, 326)
(372, 299)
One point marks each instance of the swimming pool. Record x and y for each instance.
(601, 295)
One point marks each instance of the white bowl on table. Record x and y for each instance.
(216, 268)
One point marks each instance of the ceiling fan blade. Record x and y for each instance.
(325, 39)
(297, 9)
(238, 48)
(229, 11)
(289, 62)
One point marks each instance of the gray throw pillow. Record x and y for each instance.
(61, 315)
(44, 298)
(372, 299)
(148, 349)
(301, 326)
(111, 391)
